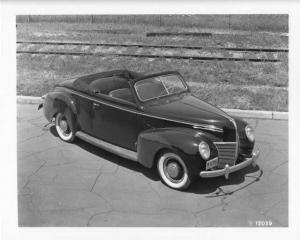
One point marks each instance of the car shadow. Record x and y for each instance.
(53, 131)
(236, 182)
(123, 162)
(203, 186)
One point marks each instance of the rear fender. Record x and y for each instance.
(60, 102)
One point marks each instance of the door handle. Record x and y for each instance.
(96, 105)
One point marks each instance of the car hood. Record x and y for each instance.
(188, 108)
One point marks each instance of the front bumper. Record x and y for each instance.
(227, 170)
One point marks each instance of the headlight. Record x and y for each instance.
(204, 150)
(249, 133)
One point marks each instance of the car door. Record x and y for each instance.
(116, 122)
(85, 113)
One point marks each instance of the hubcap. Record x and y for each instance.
(63, 125)
(174, 170)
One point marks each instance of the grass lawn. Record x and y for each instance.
(224, 84)
(242, 85)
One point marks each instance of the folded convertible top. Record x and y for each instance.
(82, 83)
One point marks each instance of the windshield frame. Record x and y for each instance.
(186, 88)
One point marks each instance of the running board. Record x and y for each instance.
(122, 152)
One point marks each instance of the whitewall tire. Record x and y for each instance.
(173, 171)
(63, 128)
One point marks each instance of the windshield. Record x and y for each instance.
(160, 86)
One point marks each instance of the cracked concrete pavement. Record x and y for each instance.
(61, 184)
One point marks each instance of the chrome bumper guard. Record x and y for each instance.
(227, 170)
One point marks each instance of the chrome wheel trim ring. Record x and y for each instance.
(162, 162)
(173, 170)
(60, 131)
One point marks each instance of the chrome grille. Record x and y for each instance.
(226, 153)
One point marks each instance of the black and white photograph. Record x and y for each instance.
(152, 120)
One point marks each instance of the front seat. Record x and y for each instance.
(122, 93)
(105, 85)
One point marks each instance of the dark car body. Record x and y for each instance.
(140, 131)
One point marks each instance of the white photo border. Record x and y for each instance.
(9, 218)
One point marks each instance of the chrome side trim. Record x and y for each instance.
(195, 125)
(225, 142)
(122, 152)
(208, 127)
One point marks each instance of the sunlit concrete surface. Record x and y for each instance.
(62, 184)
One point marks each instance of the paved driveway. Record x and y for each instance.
(61, 184)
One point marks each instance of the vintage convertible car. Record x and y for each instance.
(154, 120)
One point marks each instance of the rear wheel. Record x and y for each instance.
(173, 171)
(63, 128)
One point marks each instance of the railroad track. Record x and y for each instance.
(177, 51)
(157, 46)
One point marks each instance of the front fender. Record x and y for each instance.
(182, 141)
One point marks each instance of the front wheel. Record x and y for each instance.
(63, 128)
(173, 171)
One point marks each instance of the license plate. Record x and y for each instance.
(211, 163)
